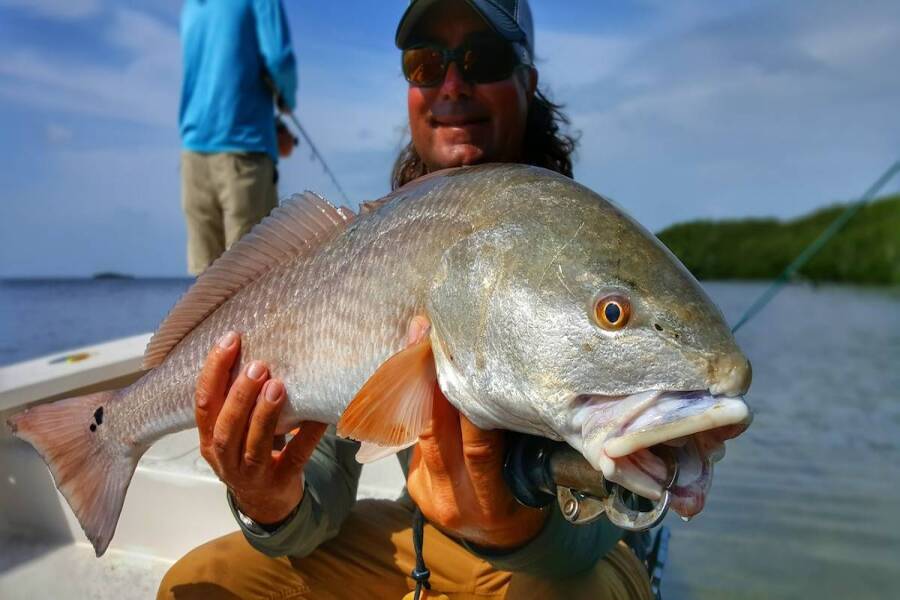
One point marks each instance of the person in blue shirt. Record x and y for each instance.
(226, 118)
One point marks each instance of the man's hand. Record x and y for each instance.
(237, 434)
(456, 477)
(286, 139)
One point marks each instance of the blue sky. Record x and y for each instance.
(686, 109)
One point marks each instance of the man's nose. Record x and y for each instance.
(454, 86)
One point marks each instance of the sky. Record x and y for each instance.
(686, 109)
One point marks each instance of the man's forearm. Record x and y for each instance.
(275, 46)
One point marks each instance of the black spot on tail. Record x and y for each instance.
(98, 418)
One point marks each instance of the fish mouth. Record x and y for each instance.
(691, 427)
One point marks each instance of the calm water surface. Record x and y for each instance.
(40, 317)
(804, 505)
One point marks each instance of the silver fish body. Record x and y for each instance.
(508, 262)
(326, 322)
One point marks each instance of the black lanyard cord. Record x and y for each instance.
(421, 573)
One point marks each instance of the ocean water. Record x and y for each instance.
(39, 317)
(804, 505)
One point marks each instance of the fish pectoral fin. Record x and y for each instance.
(369, 452)
(395, 404)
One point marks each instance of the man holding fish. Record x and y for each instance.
(472, 99)
(469, 301)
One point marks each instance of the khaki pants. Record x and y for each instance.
(223, 196)
(372, 558)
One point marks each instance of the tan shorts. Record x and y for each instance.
(372, 558)
(223, 196)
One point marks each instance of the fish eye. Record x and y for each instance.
(612, 312)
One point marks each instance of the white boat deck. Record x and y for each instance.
(174, 503)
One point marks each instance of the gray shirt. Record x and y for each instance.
(332, 476)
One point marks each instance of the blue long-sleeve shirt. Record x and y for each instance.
(226, 46)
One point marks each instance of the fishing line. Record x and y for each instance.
(815, 246)
(315, 151)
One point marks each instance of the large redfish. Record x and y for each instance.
(553, 314)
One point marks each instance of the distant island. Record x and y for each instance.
(867, 250)
(111, 275)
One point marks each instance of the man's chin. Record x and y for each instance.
(459, 155)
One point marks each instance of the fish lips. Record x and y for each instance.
(689, 426)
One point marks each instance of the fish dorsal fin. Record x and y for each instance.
(395, 404)
(297, 228)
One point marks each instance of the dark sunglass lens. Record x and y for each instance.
(487, 62)
(423, 66)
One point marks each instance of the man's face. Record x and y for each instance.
(458, 123)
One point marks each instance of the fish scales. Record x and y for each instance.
(323, 323)
(514, 266)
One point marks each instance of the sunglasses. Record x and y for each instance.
(479, 61)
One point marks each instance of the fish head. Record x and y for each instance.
(565, 318)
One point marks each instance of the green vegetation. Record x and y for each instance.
(867, 250)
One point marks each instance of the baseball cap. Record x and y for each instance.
(511, 19)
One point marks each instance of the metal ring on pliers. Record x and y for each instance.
(580, 509)
(622, 515)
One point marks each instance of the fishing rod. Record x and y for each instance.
(817, 244)
(283, 108)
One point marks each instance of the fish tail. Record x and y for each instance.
(90, 466)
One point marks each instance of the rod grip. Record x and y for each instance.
(535, 466)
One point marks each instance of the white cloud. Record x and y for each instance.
(705, 109)
(567, 59)
(775, 110)
(142, 89)
(57, 134)
(145, 87)
(146, 36)
(847, 45)
(56, 9)
(344, 89)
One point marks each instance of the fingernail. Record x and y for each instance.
(274, 390)
(227, 341)
(256, 370)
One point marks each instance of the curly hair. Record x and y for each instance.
(545, 145)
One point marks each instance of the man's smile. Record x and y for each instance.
(463, 120)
